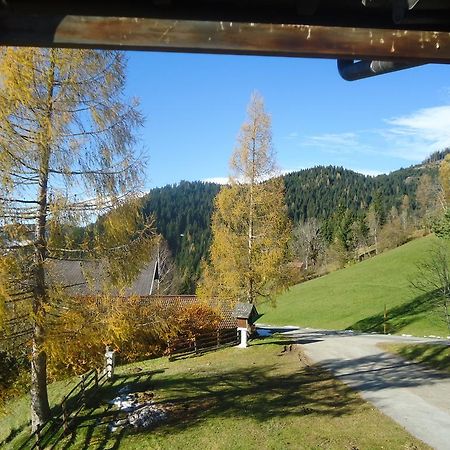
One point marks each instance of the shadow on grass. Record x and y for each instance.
(278, 342)
(256, 392)
(434, 356)
(15, 432)
(398, 317)
(99, 414)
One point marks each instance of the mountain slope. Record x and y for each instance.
(183, 214)
(183, 210)
(354, 297)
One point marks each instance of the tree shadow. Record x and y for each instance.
(90, 419)
(261, 392)
(382, 370)
(434, 356)
(398, 317)
(15, 433)
(125, 382)
(279, 342)
(257, 392)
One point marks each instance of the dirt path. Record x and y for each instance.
(416, 397)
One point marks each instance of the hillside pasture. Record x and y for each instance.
(355, 297)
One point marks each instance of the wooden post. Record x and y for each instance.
(109, 362)
(83, 390)
(218, 338)
(385, 320)
(195, 344)
(38, 437)
(65, 418)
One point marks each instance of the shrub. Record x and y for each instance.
(136, 328)
(78, 338)
(195, 319)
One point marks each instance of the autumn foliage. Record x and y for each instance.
(196, 319)
(137, 328)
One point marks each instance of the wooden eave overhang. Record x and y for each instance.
(352, 29)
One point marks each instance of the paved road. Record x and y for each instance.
(416, 397)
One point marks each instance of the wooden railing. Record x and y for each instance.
(71, 405)
(184, 346)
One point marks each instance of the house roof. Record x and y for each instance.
(244, 311)
(80, 278)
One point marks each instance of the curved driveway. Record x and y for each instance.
(416, 397)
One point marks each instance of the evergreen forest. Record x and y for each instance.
(332, 195)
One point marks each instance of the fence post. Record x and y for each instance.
(65, 418)
(218, 338)
(109, 362)
(83, 389)
(38, 437)
(195, 344)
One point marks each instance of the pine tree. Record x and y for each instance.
(250, 227)
(67, 155)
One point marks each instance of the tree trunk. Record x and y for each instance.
(250, 293)
(447, 315)
(40, 408)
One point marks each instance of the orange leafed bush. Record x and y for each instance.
(196, 319)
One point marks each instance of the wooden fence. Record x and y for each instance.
(71, 405)
(185, 346)
(68, 410)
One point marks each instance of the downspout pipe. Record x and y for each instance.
(352, 70)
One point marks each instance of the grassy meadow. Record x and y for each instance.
(258, 398)
(354, 297)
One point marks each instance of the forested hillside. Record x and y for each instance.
(317, 192)
(330, 194)
(183, 212)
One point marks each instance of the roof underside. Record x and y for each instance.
(413, 30)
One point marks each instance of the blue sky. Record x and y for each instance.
(195, 104)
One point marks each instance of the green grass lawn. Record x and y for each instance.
(14, 415)
(354, 297)
(257, 398)
(432, 355)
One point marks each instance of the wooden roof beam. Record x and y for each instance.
(226, 37)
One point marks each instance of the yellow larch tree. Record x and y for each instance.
(250, 226)
(67, 155)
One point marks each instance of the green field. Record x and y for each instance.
(354, 297)
(259, 398)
